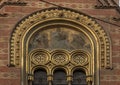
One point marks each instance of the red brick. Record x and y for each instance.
(13, 9)
(9, 20)
(110, 72)
(4, 26)
(9, 81)
(116, 59)
(115, 54)
(110, 82)
(116, 48)
(115, 36)
(5, 33)
(74, 1)
(107, 12)
(9, 69)
(4, 56)
(20, 9)
(29, 9)
(113, 83)
(3, 45)
(4, 39)
(4, 51)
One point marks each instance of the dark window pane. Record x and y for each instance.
(59, 78)
(40, 77)
(79, 78)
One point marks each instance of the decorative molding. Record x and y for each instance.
(106, 4)
(80, 58)
(40, 57)
(38, 22)
(59, 57)
(15, 3)
(23, 26)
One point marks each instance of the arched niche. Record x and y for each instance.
(40, 77)
(79, 77)
(59, 77)
(60, 37)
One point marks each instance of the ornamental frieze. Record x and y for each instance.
(59, 57)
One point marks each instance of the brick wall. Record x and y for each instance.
(11, 76)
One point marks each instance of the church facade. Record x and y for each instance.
(57, 42)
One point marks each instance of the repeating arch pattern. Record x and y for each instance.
(22, 27)
(21, 54)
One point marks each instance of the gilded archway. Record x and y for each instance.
(59, 38)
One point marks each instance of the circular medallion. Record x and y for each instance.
(79, 58)
(60, 58)
(40, 57)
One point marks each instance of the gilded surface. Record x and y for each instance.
(40, 57)
(39, 17)
(60, 38)
(79, 58)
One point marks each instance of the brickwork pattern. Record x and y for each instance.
(11, 76)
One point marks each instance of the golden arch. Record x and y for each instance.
(30, 77)
(40, 67)
(54, 17)
(60, 67)
(82, 69)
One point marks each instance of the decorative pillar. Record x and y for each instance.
(89, 79)
(69, 79)
(50, 79)
(30, 79)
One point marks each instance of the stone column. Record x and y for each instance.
(69, 79)
(89, 80)
(50, 79)
(30, 79)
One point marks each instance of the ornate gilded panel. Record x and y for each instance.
(80, 58)
(60, 38)
(40, 57)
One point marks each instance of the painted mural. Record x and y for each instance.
(59, 38)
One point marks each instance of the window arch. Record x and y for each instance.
(59, 77)
(79, 77)
(40, 77)
(59, 37)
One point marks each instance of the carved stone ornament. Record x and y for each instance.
(60, 58)
(40, 57)
(79, 58)
(26, 25)
(59, 37)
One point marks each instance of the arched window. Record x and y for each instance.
(59, 77)
(40, 77)
(55, 37)
(79, 78)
